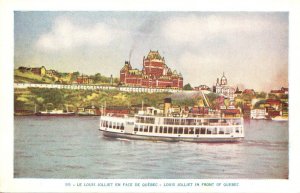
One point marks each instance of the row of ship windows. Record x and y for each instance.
(173, 130)
(112, 125)
(181, 130)
(170, 121)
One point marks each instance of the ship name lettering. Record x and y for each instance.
(105, 184)
(185, 184)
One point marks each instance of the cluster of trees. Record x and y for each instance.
(97, 78)
(187, 87)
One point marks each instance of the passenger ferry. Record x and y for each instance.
(150, 125)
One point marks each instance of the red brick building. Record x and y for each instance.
(280, 92)
(155, 74)
(117, 110)
(84, 79)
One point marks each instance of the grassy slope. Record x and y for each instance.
(25, 99)
(29, 77)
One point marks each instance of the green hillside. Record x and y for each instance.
(29, 77)
(26, 99)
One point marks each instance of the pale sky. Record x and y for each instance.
(251, 48)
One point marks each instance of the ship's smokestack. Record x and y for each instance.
(167, 105)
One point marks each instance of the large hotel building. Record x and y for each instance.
(155, 74)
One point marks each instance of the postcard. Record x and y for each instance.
(149, 100)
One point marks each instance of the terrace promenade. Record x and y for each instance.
(95, 87)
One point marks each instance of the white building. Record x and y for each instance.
(223, 89)
(258, 114)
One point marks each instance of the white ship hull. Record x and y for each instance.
(156, 129)
(197, 139)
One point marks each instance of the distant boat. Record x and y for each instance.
(280, 118)
(89, 111)
(55, 113)
(87, 114)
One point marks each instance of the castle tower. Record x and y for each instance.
(154, 64)
(124, 71)
(223, 80)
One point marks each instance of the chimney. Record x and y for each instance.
(167, 106)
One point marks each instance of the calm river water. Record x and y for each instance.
(73, 147)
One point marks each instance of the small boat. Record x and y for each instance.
(55, 113)
(280, 118)
(89, 111)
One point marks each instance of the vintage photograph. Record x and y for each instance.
(151, 95)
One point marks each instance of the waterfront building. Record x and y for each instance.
(272, 112)
(154, 74)
(281, 92)
(117, 110)
(285, 109)
(258, 113)
(230, 112)
(273, 103)
(89, 110)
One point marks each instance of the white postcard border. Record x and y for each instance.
(10, 184)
